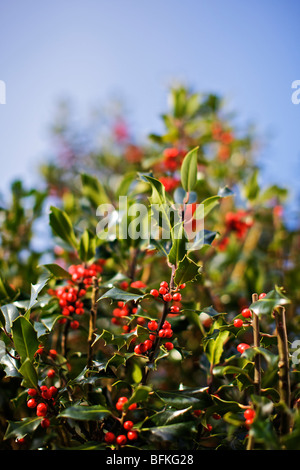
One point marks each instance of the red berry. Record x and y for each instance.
(128, 425)
(166, 325)
(138, 349)
(242, 347)
(167, 297)
(32, 392)
(41, 409)
(164, 284)
(177, 296)
(81, 293)
(53, 353)
(45, 423)
(79, 311)
(182, 286)
(53, 391)
(249, 414)
(246, 312)
(133, 406)
(120, 403)
(168, 333)
(31, 403)
(162, 290)
(51, 373)
(261, 296)
(161, 333)
(152, 338)
(154, 292)
(175, 309)
(148, 344)
(169, 346)
(110, 438)
(132, 435)
(40, 351)
(21, 440)
(248, 423)
(121, 440)
(238, 322)
(152, 325)
(46, 394)
(74, 324)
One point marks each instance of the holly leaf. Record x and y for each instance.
(62, 226)
(118, 294)
(57, 271)
(24, 338)
(87, 246)
(189, 170)
(273, 299)
(186, 271)
(19, 429)
(85, 413)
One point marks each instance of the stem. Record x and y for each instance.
(92, 323)
(256, 343)
(156, 345)
(283, 367)
(257, 363)
(64, 339)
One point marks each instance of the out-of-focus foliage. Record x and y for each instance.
(194, 395)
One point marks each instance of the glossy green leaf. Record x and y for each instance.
(62, 226)
(267, 304)
(187, 271)
(18, 429)
(57, 271)
(85, 413)
(10, 313)
(139, 395)
(215, 345)
(119, 294)
(87, 246)
(36, 289)
(189, 170)
(28, 371)
(25, 338)
(178, 249)
(185, 399)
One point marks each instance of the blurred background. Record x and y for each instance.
(98, 55)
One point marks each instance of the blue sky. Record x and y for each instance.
(91, 50)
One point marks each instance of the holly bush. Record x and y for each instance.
(161, 310)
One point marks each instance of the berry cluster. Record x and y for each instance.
(173, 158)
(70, 303)
(238, 222)
(130, 434)
(165, 294)
(249, 415)
(121, 311)
(225, 138)
(84, 274)
(163, 333)
(169, 182)
(42, 399)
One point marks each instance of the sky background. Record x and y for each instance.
(92, 50)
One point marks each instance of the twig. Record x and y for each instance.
(283, 368)
(256, 343)
(156, 345)
(92, 322)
